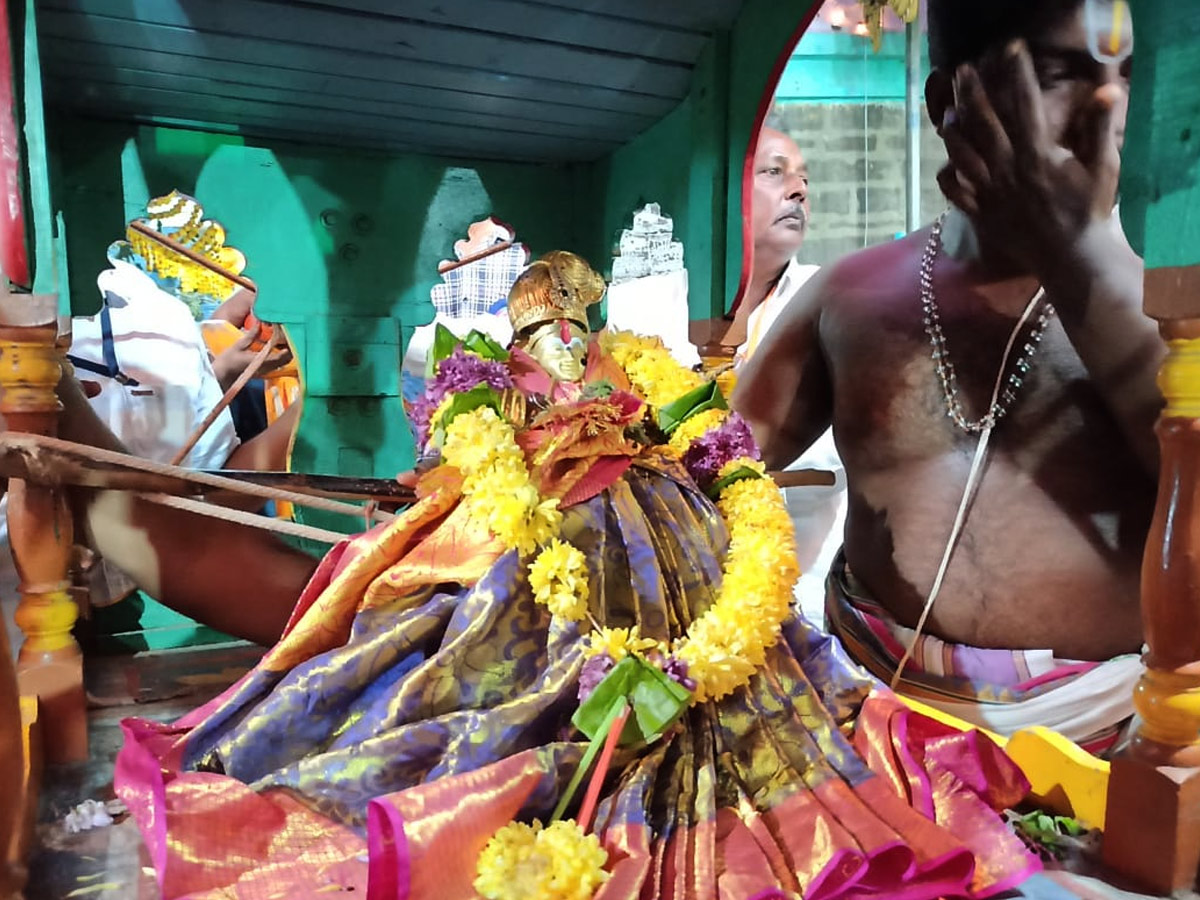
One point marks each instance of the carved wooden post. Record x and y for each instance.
(12, 762)
(1152, 831)
(49, 664)
(1153, 816)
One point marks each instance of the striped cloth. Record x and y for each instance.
(1003, 690)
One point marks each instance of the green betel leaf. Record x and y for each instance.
(593, 711)
(444, 342)
(484, 347)
(601, 389)
(657, 701)
(739, 474)
(707, 396)
(469, 400)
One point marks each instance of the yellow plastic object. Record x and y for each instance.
(282, 384)
(1063, 777)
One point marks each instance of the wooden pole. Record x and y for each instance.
(1152, 830)
(49, 664)
(12, 762)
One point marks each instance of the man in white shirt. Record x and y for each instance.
(779, 217)
(145, 354)
(151, 382)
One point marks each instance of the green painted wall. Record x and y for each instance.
(839, 67)
(1160, 167)
(765, 31)
(691, 162)
(43, 223)
(345, 245)
(344, 248)
(680, 164)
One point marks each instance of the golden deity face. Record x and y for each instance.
(560, 348)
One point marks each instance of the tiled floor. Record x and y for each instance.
(110, 863)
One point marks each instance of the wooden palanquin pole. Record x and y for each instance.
(1153, 817)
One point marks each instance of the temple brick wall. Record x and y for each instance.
(856, 163)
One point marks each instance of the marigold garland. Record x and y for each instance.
(723, 648)
(694, 427)
(559, 580)
(649, 366)
(496, 485)
(558, 862)
(728, 643)
(618, 643)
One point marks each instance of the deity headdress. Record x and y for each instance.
(558, 286)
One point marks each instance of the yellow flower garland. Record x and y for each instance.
(558, 862)
(559, 580)
(621, 642)
(496, 485)
(728, 643)
(498, 492)
(649, 366)
(695, 427)
(723, 648)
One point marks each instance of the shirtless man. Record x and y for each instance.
(1050, 553)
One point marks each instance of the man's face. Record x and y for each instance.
(779, 211)
(1084, 51)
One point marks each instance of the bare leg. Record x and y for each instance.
(237, 579)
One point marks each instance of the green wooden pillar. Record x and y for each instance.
(762, 40)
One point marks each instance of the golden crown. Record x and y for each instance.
(560, 285)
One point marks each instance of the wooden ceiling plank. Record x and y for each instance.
(55, 24)
(336, 87)
(392, 39)
(523, 19)
(266, 129)
(704, 16)
(156, 101)
(252, 131)
(79, 74)
(255, 132)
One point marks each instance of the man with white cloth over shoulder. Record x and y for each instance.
(779, 217)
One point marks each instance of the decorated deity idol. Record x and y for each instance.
(570, 670)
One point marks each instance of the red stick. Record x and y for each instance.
(593, 792)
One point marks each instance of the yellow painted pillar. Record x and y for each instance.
(49, 664)
(12, 764)
(1152, 831)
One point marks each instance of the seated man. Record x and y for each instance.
(151, 380)
(990, 381)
